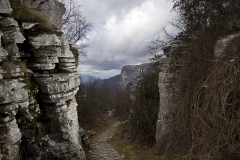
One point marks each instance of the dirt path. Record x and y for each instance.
(101, 149)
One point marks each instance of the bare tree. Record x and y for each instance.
(75, 25)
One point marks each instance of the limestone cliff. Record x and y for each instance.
(163, 123)
(130, 73)
(38, 83)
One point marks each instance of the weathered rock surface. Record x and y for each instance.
(50, 10)
(38, 83)
(130, 73)
(5, 7)
(161, 124)
(164, 120)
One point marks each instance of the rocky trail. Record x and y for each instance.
(101, 149)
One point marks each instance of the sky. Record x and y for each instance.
(122, 29)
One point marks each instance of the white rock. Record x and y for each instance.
(27, 25)
(5, 7)
(8, 22)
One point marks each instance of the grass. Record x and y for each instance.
(9, 66)
(122, 143)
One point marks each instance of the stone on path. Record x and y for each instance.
(101, 149)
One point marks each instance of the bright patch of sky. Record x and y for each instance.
(122, 29)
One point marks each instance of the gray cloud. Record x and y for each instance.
(121, 32)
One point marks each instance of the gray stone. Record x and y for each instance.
(5, 7)
(43, 66)
(66, 59)
(58, 86)
(12, 35)
(27, 25)
(8, 22)
(10, 136)
(45, 40)
(68, 70)
(47, 59)
(67, 130)
(67, 65)
(57, 97)
(66, 52)
(11, 90)
(3, 52)
(162, 123)
(50, 10)
(12, 50)
(47, 52)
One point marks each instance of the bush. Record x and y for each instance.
(205, 102)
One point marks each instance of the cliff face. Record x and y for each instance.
(38, 83)
(131, 73)
(163, 122)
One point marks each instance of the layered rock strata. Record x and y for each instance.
(38, 83)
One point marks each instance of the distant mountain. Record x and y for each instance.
(85, 78)
(113, 80)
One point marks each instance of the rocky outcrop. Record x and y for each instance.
(5, 7)
(38, 83)
(161, 125)
(164, 121)
(130, 73)
(50, 10)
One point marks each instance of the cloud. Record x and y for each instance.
(121, 31)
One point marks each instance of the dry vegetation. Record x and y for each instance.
(205, 91)
(94, 100)
(122, 141)
(145, 109)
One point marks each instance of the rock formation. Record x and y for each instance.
(51, 10)
(38, 83)
(130, 73)
(163, 123)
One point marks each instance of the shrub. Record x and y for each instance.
(145, 109)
